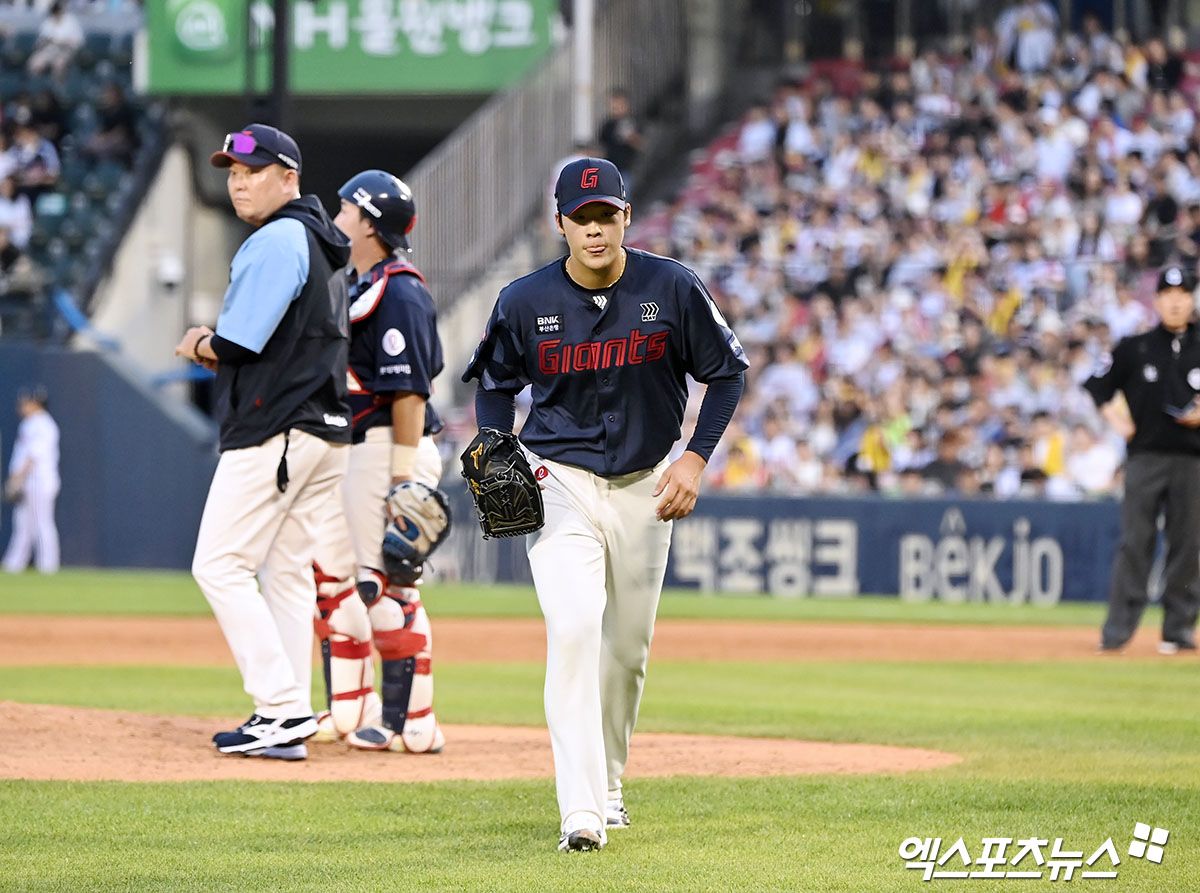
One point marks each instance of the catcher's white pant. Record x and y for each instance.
(349, 545)
(598, 567)
(34, 532)
(250, 528)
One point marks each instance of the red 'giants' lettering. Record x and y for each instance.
(555, 358)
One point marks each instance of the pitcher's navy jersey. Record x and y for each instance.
(607, 366)
(394, 345)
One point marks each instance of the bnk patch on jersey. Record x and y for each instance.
(551, 323)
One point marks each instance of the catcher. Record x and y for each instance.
(389, 516)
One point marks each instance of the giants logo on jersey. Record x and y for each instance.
(556, 358)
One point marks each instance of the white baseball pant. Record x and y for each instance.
(250, 528)
(598, 566)
(351, 539)
(34, 532)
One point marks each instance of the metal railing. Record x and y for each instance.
(481, 188)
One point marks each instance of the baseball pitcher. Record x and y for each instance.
(605, 336)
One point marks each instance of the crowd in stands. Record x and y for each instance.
(68, 137)
(925, 263)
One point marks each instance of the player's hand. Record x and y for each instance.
(679, 487)
(187, 344)
(1191, 419)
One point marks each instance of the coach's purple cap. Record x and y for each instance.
(589, 180)
(257, 146)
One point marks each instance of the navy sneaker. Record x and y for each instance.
(259, 734)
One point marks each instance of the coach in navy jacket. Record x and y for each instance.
(280, 354)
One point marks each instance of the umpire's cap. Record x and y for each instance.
(589, 180)
(1176, 276)
(386, 202)
(258, 145)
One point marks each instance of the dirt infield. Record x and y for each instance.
(32, 640)
(115, 745)
(119, 746)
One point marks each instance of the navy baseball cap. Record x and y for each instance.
(1176, 277)
(589, 180)
(257, 146)
(35, 392)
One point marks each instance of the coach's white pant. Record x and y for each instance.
(250, 528)
(34, 532)
(598, 566)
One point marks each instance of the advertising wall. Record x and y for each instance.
(348, 46)
(950, 550)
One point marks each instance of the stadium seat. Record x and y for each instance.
(50, 205)
(94, 187)
(97, 45)
(83, 119)
(12, 81)
(121, 51)
(18, 48)
(74, 231)
(76, 88)
(74, 171)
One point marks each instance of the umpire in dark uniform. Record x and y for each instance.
(1159, 374)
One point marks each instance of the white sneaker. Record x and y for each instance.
(581, 832)
(615, 815)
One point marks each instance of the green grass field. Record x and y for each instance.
(1080, 750)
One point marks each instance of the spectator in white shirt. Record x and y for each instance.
(756, 142)
(1091, 464)
(1026, 35)
(58, 40)
(16, 215)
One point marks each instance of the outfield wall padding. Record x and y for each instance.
(135, 465)
(951, 550)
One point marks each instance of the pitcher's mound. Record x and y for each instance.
(110, 745)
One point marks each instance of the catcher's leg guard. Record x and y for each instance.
(344, 630)
(402, 635)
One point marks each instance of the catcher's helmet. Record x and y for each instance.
(386, 202)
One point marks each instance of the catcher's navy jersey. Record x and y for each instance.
(394, 345)
(607, 366)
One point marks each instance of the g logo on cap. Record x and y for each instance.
(1174, 276)
(590, 176)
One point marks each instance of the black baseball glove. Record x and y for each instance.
(506, 493)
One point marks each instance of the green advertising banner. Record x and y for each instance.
(348, 46)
